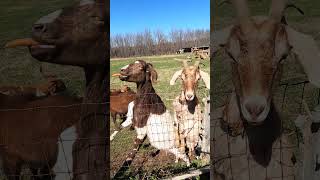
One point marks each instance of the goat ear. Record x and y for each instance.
(219, 39)
(152, 72)
(206, 78)
(307, 53)
(175, 77)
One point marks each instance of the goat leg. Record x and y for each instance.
(114, 119)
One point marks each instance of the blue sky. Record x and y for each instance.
(131, 16)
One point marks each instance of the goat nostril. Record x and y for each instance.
(189, 96)
(254, 110)
(39, 27)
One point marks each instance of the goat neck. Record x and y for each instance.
(262, 137)
(148, 96)
(190, 104)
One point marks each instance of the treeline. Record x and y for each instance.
(157, 42)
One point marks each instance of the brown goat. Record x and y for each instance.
(50, 87)
(257, 46)
(150, 116)
(186, 106)
(30, 130)
(78, 36)
(119, 101)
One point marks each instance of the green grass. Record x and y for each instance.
(17, 67)
(166, 67)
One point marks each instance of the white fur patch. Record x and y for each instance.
(125, 67)
(63, 167)
(161, 130)
(40, 93)
(5, 92)
(128, 121)
(137, 62)
(141, 132)
(49, 18)
(85, 2)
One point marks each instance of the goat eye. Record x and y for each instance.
(283, 57)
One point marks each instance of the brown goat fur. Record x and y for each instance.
(43, 89)
(147, 100)
(186, 106)
(150, 117)
(30, 130)
(79, 36)
(119, 101)
(256, 46)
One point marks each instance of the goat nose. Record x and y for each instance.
(39, 28)
(189, 96)
(254, 109)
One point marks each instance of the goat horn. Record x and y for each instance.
(196, 64)
(242, 13)
(206, 78)
(296, 7)
(175, 77)
(224, 2)
(277, 9)
(185, 63)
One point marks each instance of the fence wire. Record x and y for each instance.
(239, 157)
(32, 138)
(168, 135)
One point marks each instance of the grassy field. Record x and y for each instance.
(162, 165)
(17, 67)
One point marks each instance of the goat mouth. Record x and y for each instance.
(42, 51)
(29, 42)
(123, 77)
(255, 123)
(37, 49)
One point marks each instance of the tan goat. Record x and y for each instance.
(187, 109)
(257, 46)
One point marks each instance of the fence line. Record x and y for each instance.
(283, 172)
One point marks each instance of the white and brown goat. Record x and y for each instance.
(150, 116)
(187, 108)
(257, 46)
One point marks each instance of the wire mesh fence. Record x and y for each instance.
(38, 137)
(170, 139)
(269, 151)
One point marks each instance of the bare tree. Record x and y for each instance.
(157, 42)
